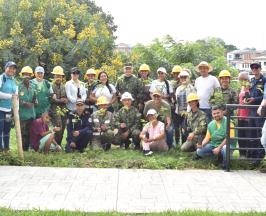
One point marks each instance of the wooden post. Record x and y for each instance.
(17, 126)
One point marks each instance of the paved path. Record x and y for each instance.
(131, 190)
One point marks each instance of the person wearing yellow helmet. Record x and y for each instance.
(91, 82)
(224, 94)
(27, 101)
(144, 72)
(175, 82)
(196, 124)
(101, 123)
(58, 103)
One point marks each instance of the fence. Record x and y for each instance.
(230, 115)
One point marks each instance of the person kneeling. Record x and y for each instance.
(41, 138)
(79, 128)
(153, 134)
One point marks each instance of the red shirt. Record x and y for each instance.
(37, 128)
(242, 112)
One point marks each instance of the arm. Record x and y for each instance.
(207, 139)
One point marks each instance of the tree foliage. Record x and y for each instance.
(55, 32)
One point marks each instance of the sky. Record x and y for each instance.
(238, 22)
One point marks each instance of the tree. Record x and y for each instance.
(55, 32)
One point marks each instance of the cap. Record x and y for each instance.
(151, 112)
(79, 101)
(75, 70)
(183, 73)
(128, 65)
(161, 69)
(11, 64)
(39, 69)
(255, 63)
(126, 95)
(157, 92)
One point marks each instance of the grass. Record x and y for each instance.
(8, 212)
(115, 158)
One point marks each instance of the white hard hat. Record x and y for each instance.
(151, 112)
(126, 95)
(161, 69)
(183, 73)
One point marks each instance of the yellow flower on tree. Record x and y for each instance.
(24, 5)
(16, 29)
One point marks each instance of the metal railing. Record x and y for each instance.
(229, 114)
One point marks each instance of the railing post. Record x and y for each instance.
(228, 119)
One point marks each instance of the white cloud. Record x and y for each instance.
(241, 23)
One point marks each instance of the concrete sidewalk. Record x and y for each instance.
(131, 190)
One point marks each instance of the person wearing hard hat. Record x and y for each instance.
(8, 88)
(164, 114)
(196, 124)
(205, 85)
(153, 134)
(101, 121)
(90, 77)
(163, 85)
(128, 82)
(144, 71)
(104, 88)
(175, 82)
(127, 123)
(224, 94)
(79, 128)
(44, 92)
(58, 102)
(27, 101)
(75, 89)
(181, 107)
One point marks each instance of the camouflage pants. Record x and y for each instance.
(106, 137)
(191, 146)
(25, 133)
(134, 134)
(59, 121)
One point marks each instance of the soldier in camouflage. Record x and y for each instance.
(127, 123)
(58, 103)
(175, 82)
(90, 76)
(224, 94)
(130, 83)
(101, 121)
(196, 123)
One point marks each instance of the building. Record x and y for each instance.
(122, 47)
(262, 60)
(241, 59)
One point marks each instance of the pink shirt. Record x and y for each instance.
(242, 112)
(154, 131)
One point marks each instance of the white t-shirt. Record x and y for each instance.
(102, 90)
(205, 87)
(161, 86)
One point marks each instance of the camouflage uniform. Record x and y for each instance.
(174, 84)
(229, 96)
(132, 85)
(145, 96)
(104, 138)
(26, 114)
(90, 87)
(197, 123)
(131, 117)
(59, 120)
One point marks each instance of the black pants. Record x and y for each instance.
(243, 134)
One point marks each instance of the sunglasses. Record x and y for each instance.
(255, 67)
(183, 77)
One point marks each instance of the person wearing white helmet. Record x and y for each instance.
(127, 123)
(163, 85)
(44, 92)
(153, 134)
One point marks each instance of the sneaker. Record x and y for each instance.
(196, 157)
(263, 170)
(148, 152)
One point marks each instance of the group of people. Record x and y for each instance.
(152, 115)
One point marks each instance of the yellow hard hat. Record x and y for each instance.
(192, 97)
(102, 100)
(26, 69)
(91, 71)
(58, 70)
(176, 69)
(224, 73)
(144, 67)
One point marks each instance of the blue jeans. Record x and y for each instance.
(170, 136)
(208, 113)
(207, 151)
(5, 127)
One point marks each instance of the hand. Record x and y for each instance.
(190, 137)
(199, 146)
(58, 148)
(145, 139)
(28, 104)
(103, 127)
(64, 100)
(76, 133)
(249, 100)
(99, 130)
(167, 126)
(216, 150)
(123, 125)
(56, 129)
(259, 110)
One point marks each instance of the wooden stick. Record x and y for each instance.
(17, 126)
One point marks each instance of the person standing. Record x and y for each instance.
(205, 85)
(8, 88)
(44, 92)
(75, 89)
(27, 101)
(58, 103)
